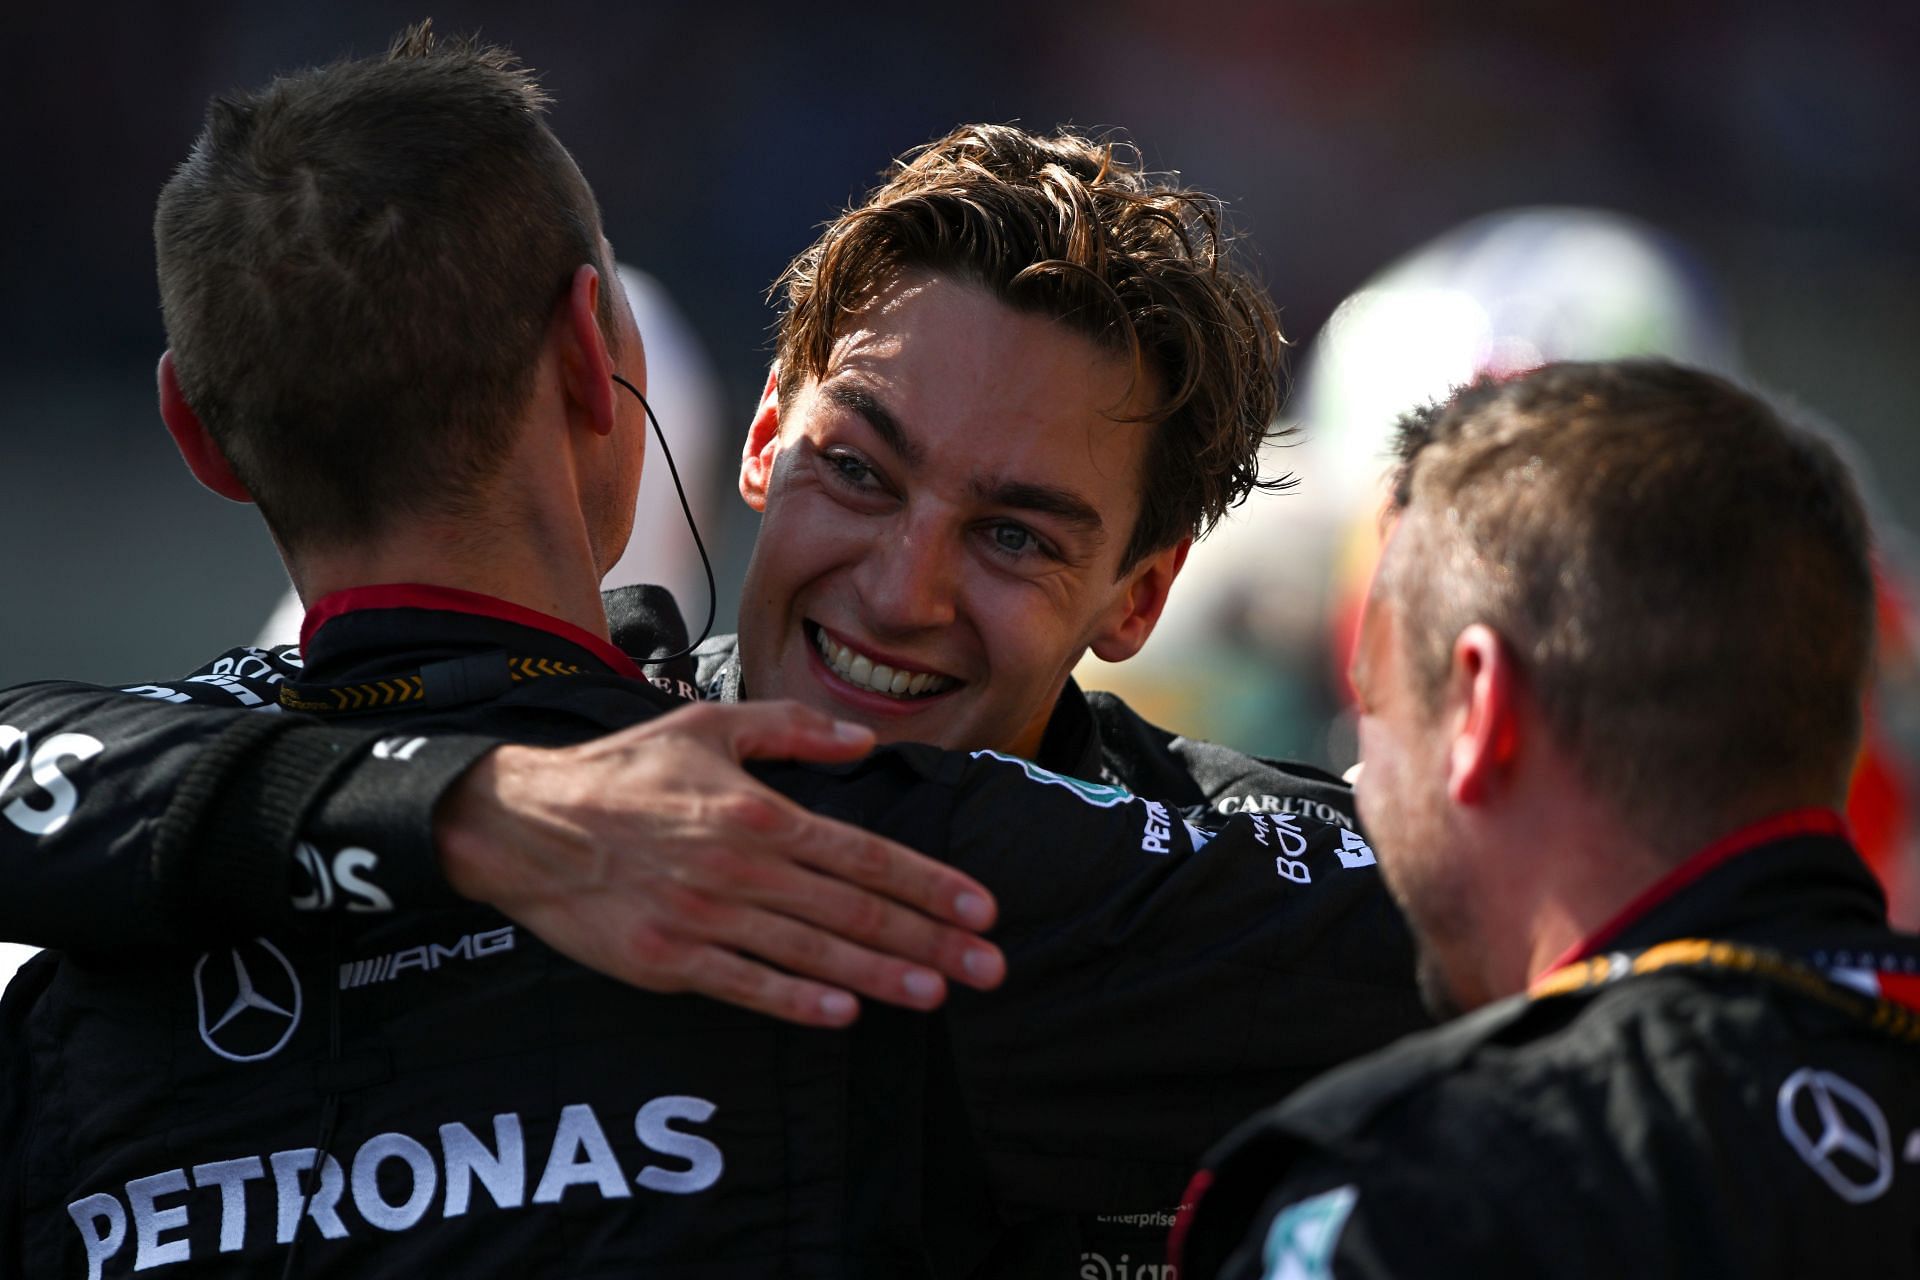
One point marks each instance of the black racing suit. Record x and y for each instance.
(1749, 1108)
(1095, 736)
(227, 1019)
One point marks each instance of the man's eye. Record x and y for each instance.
(1011, 537)
(1017, 540)
(851, 470)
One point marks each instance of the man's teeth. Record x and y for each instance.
(858, 669)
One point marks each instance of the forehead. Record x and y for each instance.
(963, 373)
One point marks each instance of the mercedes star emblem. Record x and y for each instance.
(252, 1014)
(1839, 1131)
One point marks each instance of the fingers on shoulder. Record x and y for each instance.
(728, 976)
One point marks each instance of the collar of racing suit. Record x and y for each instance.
(352, 633)
(347, 621)
(1792, 883)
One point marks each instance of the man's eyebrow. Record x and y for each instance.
(1064, 504)
(855, 398)
(1052, 500)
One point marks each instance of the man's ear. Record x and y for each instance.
(763, 445)
(1136, 612)
(586, 366)
(1482, 704)
(197, 448)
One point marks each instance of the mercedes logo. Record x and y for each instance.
(1839, 1131)
(248, 1000)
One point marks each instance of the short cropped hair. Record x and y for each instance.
(357, 266)
(1684, 577)
(1076, 230)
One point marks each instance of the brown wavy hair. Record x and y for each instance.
(1077, 230)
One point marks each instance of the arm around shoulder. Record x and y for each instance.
(130, 820)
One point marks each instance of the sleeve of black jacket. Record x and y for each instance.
(1435, 1157)
(1369, 1222)
(129, 820)
(1430, 1191)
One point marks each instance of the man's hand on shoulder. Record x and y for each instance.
(650, 855)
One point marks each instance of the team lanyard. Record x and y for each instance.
(1893, 1017)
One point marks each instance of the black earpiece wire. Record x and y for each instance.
(713, 591)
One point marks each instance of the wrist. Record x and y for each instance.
(463, 822)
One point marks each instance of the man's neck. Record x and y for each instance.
(1609, 889)
(1567, 864)
(550, 571)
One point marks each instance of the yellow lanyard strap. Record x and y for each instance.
(1888, 1017)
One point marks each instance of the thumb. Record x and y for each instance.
(788, 731)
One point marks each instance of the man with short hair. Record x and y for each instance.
(374, 1071)
(1610, 674)
(413, 423)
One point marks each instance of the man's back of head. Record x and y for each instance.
(1625, 612)
(357, 266)
(1682, 575)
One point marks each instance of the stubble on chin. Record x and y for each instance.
(1435, 991)
(1441, 919)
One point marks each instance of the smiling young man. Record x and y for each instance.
(1010, 389)
(934, 564)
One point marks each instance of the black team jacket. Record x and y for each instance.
(275, 1041)
(1095, 736)
(1724, 1083)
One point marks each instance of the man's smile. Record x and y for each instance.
(868, 673)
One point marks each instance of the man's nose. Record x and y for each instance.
(909, 580)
